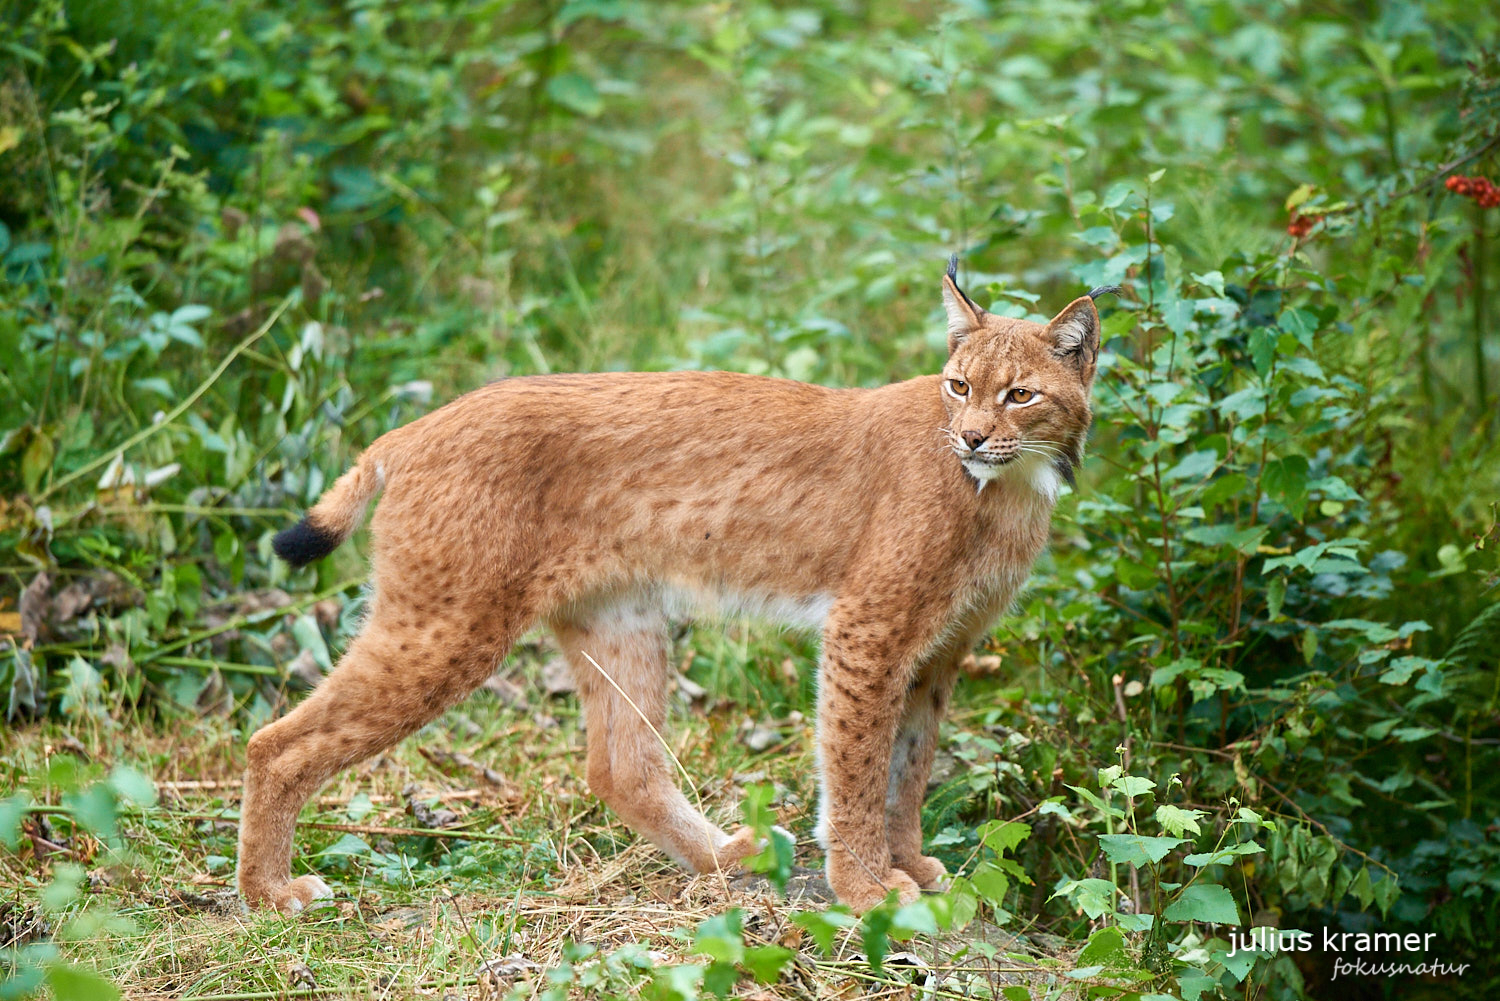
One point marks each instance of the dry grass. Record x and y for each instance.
(527, 869)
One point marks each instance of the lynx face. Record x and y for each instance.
(1017, 392)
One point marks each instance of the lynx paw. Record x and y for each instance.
(926, 871)
(861, 892)
(299, 894)
(741, 845)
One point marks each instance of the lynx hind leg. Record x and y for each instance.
(912, 754)
(628, 767)
(390, 682)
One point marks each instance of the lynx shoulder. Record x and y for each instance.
(899, 521)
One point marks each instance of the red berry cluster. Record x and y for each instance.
(1300, 226)
(1478, 188)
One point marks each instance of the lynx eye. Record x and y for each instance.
(958, 387)
(1019, 395)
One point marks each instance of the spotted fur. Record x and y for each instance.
(900, 520)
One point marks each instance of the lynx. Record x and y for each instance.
(900, 521)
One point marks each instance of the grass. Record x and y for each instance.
(526, 869)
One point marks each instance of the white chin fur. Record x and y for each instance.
(1035, 470)
(984, 471)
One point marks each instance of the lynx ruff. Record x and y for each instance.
(900, 521)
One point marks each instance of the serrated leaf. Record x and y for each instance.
(1137, 849)
(765, 962)
(1223, 856)
(1003, 836)
(823, 926)
(720, 937)
(1206, 902)
(1133, 785)
(1177, 821)
(915, 918)
(1095, 897)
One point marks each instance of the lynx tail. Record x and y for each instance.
(334, 518)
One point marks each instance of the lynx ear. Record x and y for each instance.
(963, 315)
(1074, 333)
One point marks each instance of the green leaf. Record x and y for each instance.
(1206, 902)
(1001, 836)
(94, 808)
(576, 93)
(874, 932)
(131, 786)
(991, 883)
(1105, 948)
(1386, 892)
(1194, 465)
(676, 983)
(74, 983)
(720, 937)
(1137, 849)
(1177, 821)
(1195, 984)
(1095, 897)
(13, 810)
(1300, 324)
(1223, 856)
(823, 926)
(765, 962)
(310, 638)
(348, 844)
(1263, 349)
(916, 918)
(1285, 481)
(720, 977)
(1299, 195)
(1275, 598)
(1133, 785)
(36, 461)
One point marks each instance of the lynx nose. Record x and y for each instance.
(974, 439)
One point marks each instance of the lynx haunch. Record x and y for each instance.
(900, 521)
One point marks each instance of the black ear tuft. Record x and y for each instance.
(304, 542)
(1095, 293)
(953, 268)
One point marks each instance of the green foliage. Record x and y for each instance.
(241, 240)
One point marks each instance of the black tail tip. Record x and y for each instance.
(304, 542)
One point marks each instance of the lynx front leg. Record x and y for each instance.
(868, 650)
(627, 766)
(911, 764)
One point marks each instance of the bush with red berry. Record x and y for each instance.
(1478, 188)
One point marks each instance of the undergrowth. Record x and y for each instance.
(1254, 681)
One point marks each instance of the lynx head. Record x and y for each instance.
(1017, 392)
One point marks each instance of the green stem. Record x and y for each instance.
(220, 665)
(176, 411)
(1480, 297)
(244, 620)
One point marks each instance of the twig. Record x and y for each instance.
(394, 832)
(175, 412)
(245, 620)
